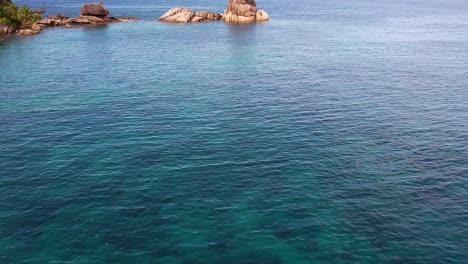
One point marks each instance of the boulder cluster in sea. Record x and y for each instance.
(91, 14)
(237, 11)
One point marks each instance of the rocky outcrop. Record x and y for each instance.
(5, 30)
(244, 11)
(240, 11)
(27, 32)
(94, 9)
(62, 20)
(187, 15)
(39, 11)
(100, 16)
(91, 14)
(237, 11)
(27, 29)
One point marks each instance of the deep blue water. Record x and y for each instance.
(335, 133)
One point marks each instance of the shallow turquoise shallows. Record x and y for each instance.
(335, 133)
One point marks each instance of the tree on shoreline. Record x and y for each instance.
(12, 15)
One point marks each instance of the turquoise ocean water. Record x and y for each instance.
(335, 133)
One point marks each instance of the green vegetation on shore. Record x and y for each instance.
(13, 15)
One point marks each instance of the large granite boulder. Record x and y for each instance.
(244, 11)
(187, 15)
(54, 20)
(178, 15)
(206, 15)
(94, 9)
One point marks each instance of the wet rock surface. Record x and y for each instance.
(187, 15)
(94, 9)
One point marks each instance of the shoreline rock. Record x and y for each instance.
(61, 20)
(5, 30)
(27, 32)
(92, 14)
(237, 11)
(94, 9)
(187, 15)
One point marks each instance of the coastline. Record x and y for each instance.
(93, 14)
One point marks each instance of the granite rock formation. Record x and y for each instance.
(62, 20)
(94, 9)
(27, 32)
(5, 30)
(244, 11)
(91, 14)
(187, 15)
(237, 11)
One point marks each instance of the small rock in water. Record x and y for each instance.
(91, 14)
(178, 15)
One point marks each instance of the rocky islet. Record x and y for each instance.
(237, 11)
(187, 15)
